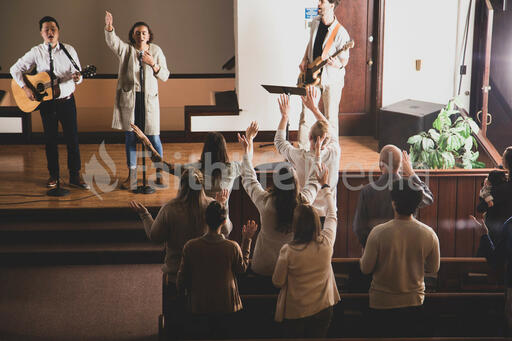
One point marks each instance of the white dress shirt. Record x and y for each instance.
(62, 66)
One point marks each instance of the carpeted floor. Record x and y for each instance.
(98, 302)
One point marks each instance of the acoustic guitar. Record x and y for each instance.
(40, 84)
(312, 75)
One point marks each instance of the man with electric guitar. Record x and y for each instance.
(323, 66)
(66, 73)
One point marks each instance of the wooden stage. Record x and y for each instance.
(24, 172)
(24, 204)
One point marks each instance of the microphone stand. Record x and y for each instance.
(145, 188)
(58, 191)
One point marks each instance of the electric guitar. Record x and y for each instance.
(40, 84)
(313, 72)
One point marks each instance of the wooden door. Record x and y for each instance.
(353, 15)
(358, 101)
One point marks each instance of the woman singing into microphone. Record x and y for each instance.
(130, 106)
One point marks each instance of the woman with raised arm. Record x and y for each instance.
(218, 171)
(137, 103)
(177, 222)
(276, 206)
(304, 272)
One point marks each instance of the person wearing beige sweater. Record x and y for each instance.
(304, 272)
(398, 254)
(275, 206)
(207, 273)
(131, 96)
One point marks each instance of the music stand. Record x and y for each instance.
(287, 90)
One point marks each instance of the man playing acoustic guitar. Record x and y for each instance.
(63, 108)
(326, 38)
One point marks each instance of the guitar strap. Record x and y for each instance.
(325, 52)
(69, 56)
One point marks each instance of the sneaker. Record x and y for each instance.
(78, 182)
(52, 182)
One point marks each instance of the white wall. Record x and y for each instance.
(270, 39)
(433, 32)
(10, 125)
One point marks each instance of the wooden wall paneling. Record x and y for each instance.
(428, 214)
(476, 235)
(464, 239)
(341, 244)
(447, 215)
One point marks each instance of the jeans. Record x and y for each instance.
(131, 147)
(131, 139)
(65, 112)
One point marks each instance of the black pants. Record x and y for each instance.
(314, 326)
(400, 322)
(65, 112)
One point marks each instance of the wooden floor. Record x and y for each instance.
(23, 172)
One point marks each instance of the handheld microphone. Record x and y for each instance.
(141, 53)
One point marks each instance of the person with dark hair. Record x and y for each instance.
(499, 252)
(324, 28)
(494, 179)
(304, 272)
(178, 221)
(276, 206)
(62, 108)
(398, 254)
(303, 160)
(502, 199)
(130, 105)
(374, 205)
(218, 171)
(207, 274)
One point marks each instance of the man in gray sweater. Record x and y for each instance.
(398, 254)
(374, 205)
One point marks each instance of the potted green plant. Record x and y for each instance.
(448, 144)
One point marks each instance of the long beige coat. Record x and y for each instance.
(124, 106)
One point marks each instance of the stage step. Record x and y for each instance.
(76, 236)
(81, 253)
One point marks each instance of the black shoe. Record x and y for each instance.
(78, 182)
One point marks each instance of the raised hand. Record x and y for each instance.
(322, 175)
(319, 143)
(284, 106)
(252, 131)
(245, 143)
(249, 229)
(481, 225)
(311, 98)
(109, 21)
(137, 207)
(222, 196)
(406, 164)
